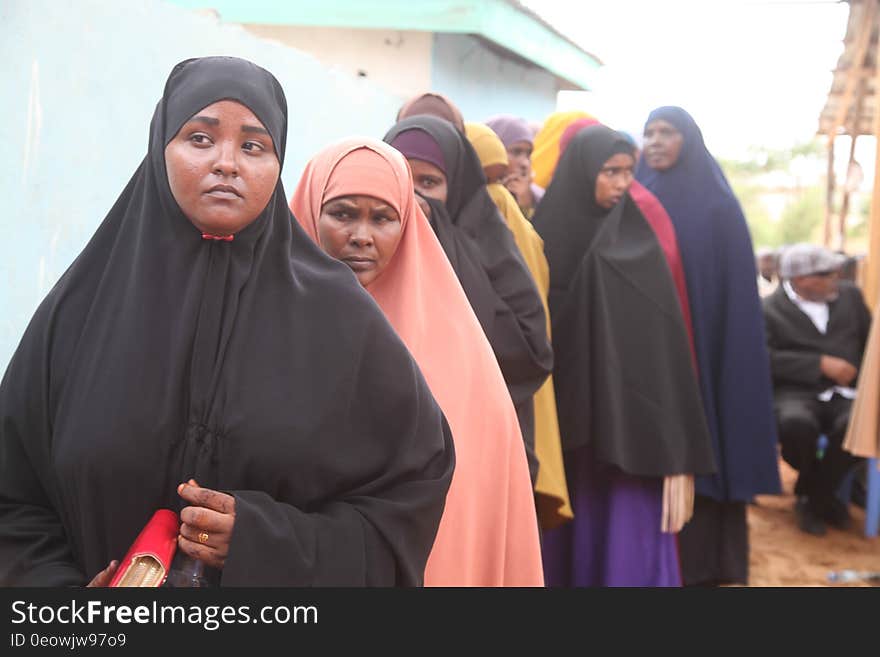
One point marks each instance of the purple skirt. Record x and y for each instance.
(615, 537)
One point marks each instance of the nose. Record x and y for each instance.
(361, 235)
(226, 163)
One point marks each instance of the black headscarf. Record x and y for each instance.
(475, 237)
(624, 375)
(259, 366)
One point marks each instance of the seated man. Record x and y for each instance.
(816, 332)
(767, 263)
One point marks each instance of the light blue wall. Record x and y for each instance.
(482, 83)
(79, 84)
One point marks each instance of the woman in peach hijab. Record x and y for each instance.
(356, 200)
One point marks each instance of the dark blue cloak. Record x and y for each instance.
(719, 265)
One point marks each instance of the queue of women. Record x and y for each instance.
(460, 355)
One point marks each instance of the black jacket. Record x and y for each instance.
(796, 345)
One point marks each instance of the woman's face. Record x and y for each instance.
(495, 173)
(614, 178)
(361, 231)
(222, 168)
(429, 180)
(519, 154)
(662, 144)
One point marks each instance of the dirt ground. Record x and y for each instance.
(782, 555)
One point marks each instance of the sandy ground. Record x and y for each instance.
(782, 555)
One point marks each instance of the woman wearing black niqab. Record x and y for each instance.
(488, 264)
(246, 359)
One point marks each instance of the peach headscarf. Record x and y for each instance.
(488, 535)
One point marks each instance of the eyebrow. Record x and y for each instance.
(344, 200)
(210, 120)
(254, 128)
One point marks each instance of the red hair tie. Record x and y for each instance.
(217, 238)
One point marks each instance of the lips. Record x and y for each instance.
(359, 263)
(224, 191)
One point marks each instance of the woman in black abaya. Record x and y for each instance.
(485, 258)
(630, 419)
(202, 334)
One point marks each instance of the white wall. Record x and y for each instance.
(397, 61)
(483, 83)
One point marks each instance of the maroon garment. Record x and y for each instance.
(658, 218)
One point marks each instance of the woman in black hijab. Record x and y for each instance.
(202, 334)
(630, 417)
(485, 258)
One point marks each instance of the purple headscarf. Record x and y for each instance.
(416, 144)
(510, 129)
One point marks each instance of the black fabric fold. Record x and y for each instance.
(259, 366)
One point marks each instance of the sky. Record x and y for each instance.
(752, 73)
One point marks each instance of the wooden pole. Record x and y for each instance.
(872, 269)
(844, 206)
(854, 135)
(829, 190)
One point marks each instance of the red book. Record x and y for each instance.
(149, 557)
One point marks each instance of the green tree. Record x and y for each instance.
(802, 216)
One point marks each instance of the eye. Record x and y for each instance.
(253, 146)
(200, 139)
(339, 213)
(384, 218)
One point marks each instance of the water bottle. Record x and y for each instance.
(821, 446)
(189, 572)
(838, 576)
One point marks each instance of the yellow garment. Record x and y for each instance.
(546, 150)
(553, 505)
(488, 145)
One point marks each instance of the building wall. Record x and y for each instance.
(80, 82)
(404, 63)
(398, 61)
(483, 83)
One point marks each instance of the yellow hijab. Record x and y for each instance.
(545, 154)
(552, 501)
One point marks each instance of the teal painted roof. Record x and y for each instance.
(504, 22)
